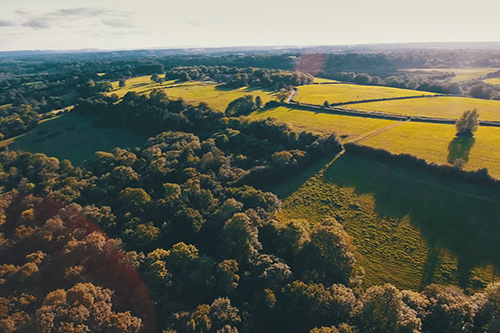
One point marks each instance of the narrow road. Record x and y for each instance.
(292, 95)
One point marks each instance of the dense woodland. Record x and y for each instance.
(178, 236)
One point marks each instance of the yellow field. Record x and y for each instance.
(5, 106)
(140, 85)
(461, 74)
(443, 107)
(341, 93)
(215, 98)
(437, 143)
(323, 123)
(492, 81)
(193, 92)
(321, 80)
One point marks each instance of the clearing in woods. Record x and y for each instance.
(73, 137)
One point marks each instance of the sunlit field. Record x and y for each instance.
(321, 80)
(438, 143)
(442, 107)
(461, 74)
(495, 81)
(193, 92)
(341, 93)
(323, 123)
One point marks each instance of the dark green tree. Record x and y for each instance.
(258, 102)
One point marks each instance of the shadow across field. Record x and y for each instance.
(459, 148)
(464, 220)
(285, 188)
(74, 137)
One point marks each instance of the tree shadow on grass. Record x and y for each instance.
(459, 148)
(288, 186)
(450, 215)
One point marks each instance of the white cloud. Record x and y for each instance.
(118, 23)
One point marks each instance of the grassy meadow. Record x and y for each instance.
(341, 93)
(323, 123)
(193, 92)
(438, 143)
(495, 81)
(461, 74)
(442, 107)
(410, 229)
(321, 80)
(73, 137)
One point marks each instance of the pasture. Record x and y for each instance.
(323, 123)
(193, 92)
(461, 74)
(495, 81)
(73, 137)
(442, 107)
(342, 93)
(438, 143)
(321, 80)
(410, 229)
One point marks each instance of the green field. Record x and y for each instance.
(73, 137)
(443, 107)
(437, 143)
(410, 229)
(492, 81)
(193, 92)
(341, 93)
(461, 74)
(140, 85)
(323, 123)
(321, 80)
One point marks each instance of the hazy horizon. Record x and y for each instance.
(126, 25)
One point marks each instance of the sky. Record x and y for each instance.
(124, 24)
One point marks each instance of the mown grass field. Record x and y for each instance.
(461, 74)
(341, 93)
(323, 123)
(492, 81)
(442, 107)
(193, 92)
(74, 137)
(438, 143)
(410, 229)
